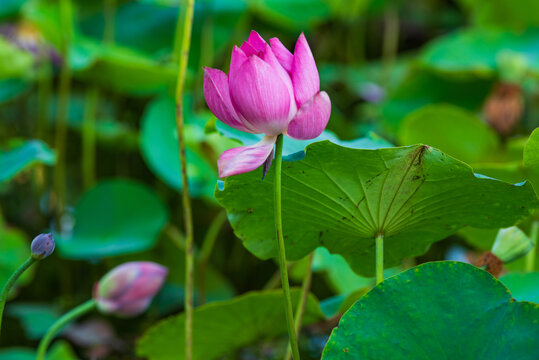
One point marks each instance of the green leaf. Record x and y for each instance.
(14, 62)
(453, 130)
(60, 350)
(116, 217)
(421, 88)
(159, 146)
(222, 327)
(31, 152)
(531, 159)
(519, 14)
(35, 318)
(439, 310)
(340, 198)
(480, 239)
(523, 287)
(14, 250)
(478, 51)
(294, 14)
(11, 88)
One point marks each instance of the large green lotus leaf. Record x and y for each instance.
(115, 217)
(439, 310)
(120, 69)
(14, 62)
(29, 153)
(222, 327)
(523, 287)
(531, 159)
(480, 239)
(421, 88)
(515, 14)
(36, 319)
(60, 350)
(159, 146)
(14, 250)
(453, 130)
(340, 198)
(477, 51)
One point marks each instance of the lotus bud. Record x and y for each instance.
(42, 246)
(269, 91)
(128, 289)
(511, 244)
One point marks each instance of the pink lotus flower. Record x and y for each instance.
(268, 91)
(128, 289)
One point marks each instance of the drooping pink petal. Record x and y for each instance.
(260, 96)
(311, 118)
(217, 96)
(282, 54)
(246, 158)
(305, 76)
(268, 56)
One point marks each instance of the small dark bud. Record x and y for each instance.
(491, 264)
(42, 246)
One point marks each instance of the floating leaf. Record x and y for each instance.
(439, 310)
(531, 159)
(35, 318)
(115, 217)
(340, 198)
(159, 146)
(523, 287)
(453, 130)
(222, 327)
(477, 51)
(24, 156)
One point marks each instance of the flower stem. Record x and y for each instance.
(187, 212)
(59, 324)
(530, 256)
(300, 310)
(88, 137)
(11, 281)
(282, 253)
(379, 258)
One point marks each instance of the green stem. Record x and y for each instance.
(63, 105)
(44, 89)
(390, 41)
(300, 310)
(379, 258)
(88, 137)
(207, 247)
(59, 324)
(11, 281)
(187, 212)
(530, 256)
(289, 312)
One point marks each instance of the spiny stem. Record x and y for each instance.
(59, 324)
(289, 312)
(379, 258)
(187, 213)
(63, 105)
(530, 256)
(88, 137)
(300, 310)
(11, 281)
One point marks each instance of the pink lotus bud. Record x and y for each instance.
(268, 91)
(42, 246)
(128, 289)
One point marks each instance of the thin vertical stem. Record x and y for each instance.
(379, 258)
(390, 41)
(60, 323)
(88, 137)
(11, 281)
(300, 310)
(187, 212)
(63, 105)
(530, 256)
(289, 312)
